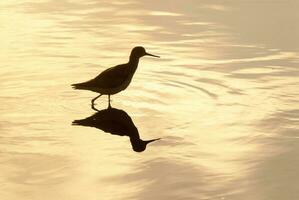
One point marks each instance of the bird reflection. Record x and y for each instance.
(116, 122)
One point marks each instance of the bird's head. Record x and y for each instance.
(140, 52)
(140, 145)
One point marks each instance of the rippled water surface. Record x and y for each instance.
(223, 97)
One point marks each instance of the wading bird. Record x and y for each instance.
(114, 79)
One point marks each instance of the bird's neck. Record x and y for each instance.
(133, 63)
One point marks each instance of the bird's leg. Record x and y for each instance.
(109, 105)
(92, 101)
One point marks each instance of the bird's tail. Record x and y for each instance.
(78, 122)
(77, 86)
(73, 86)
(83, 122)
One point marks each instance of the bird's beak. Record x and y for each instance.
(149, 141)
(148, 54)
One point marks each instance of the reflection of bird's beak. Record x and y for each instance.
(149, 141)
(148, 54)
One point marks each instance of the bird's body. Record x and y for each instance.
(114, 79)
(110, 81)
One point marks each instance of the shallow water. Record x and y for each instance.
(223, 97)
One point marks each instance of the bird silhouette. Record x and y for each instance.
(114, 79)
(116, 122)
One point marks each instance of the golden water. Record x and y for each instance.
(223, 97)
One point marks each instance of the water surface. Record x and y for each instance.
(223, 98)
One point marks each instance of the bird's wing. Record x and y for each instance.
(109, 78)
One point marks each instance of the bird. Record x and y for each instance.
(115, 79)
(116, 122)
